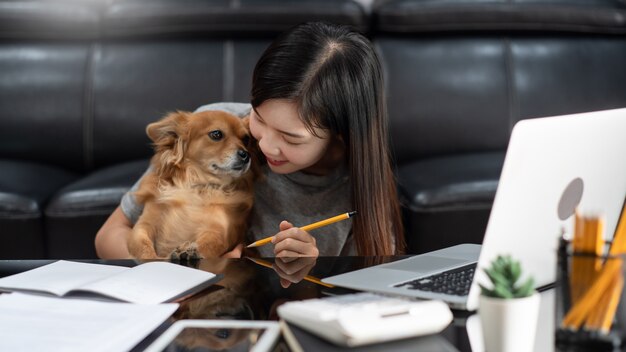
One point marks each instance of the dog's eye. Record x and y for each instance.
(216, 135)
(246, 140)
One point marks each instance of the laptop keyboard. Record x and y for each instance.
(455, 282)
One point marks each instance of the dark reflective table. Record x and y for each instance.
(253, 289)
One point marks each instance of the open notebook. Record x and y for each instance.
(552, 166)
(147, 283)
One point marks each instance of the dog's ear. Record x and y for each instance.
(168, 135)
(253, 149)
(246, 122)
(166, 130)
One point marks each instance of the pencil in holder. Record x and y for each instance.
(590, 298)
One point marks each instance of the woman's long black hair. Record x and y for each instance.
(334, 76)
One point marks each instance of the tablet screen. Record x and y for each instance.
(215, 339)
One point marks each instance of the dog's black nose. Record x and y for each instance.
(243, 155)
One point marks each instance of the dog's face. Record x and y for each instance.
(214, 141)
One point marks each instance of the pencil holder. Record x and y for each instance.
(590, 300)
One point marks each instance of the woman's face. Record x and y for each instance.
(286, 143)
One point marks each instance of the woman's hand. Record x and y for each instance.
(292, 242)
(293, 271)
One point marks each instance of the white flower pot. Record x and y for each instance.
(509, 325)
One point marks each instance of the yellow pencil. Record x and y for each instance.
(601, 317)
(309, 278)
(607, 319)
(579, 311)
(309, 227)
(595, 317)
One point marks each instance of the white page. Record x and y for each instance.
(150, 283)
(60, 277)
(37, 323)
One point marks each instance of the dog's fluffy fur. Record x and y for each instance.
(199, 191)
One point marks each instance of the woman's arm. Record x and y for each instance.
(112, 236)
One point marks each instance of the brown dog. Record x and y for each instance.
(199, 190)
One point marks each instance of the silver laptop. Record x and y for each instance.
(552, 166)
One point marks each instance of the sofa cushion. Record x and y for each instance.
(78, 210)
(447, 199)
(97, 193)
(24, 189)
(451, 183)
(26, 186)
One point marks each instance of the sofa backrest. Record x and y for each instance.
(92, 74)
(461, 75)
(44, 50)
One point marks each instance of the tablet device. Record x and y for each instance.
(217, 335)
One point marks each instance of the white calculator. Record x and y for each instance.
(366, 318)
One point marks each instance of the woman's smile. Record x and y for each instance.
(275, 162)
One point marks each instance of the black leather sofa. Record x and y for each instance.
(79, 80)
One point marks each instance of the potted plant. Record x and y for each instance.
(508, 310)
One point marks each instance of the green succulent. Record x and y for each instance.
(504, 273)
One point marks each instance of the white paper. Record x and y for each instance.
(37, 323)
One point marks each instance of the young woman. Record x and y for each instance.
(318, 113)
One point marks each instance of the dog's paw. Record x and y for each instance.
(187, 252)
